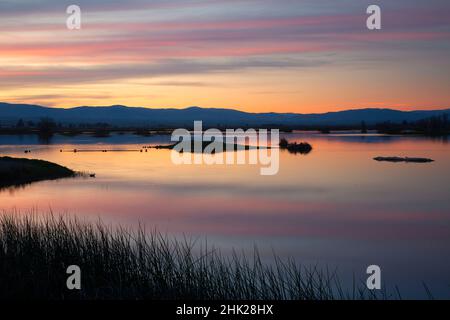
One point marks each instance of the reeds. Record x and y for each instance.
(117, 263)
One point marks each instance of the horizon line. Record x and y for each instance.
(425, 109)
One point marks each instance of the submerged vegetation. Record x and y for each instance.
(19, 171)
(122, 264)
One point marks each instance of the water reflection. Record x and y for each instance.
(45, 138)
(334, 207)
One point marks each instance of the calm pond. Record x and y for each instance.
(335, 207)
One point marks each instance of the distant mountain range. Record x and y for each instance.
(132, 116)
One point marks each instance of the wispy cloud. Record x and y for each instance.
(60, 75)
(156, 39)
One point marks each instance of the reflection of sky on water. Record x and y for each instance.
(116, 138)
(335, 206)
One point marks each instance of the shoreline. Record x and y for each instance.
(22, 171)
(168, 132)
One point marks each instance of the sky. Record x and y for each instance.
(303, 56)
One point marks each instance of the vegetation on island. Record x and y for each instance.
(302, 147)
(203, 145)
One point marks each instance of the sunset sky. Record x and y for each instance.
(254, 55)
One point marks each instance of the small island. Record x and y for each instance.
(20, 171)
(403, 159)
(302, 147)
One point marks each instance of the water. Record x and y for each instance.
(335, 207)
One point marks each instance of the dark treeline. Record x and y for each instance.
(437, 125)
(47, 127)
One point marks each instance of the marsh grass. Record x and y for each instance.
(117, 263)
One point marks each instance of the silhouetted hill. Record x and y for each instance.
(133, 116)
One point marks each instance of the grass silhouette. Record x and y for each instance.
(117, 263)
